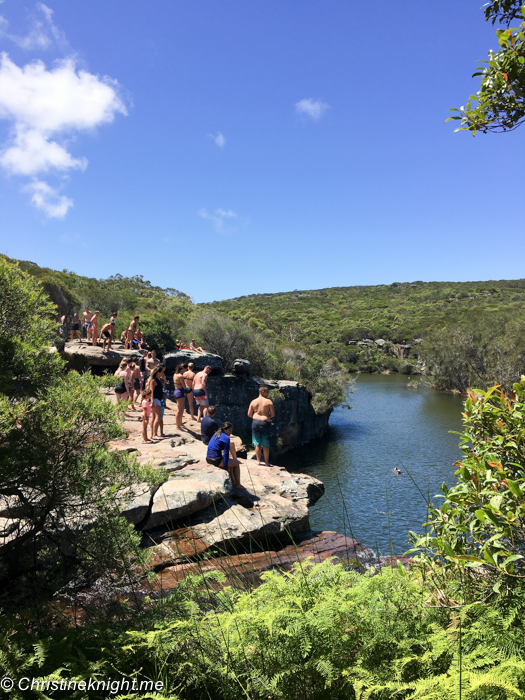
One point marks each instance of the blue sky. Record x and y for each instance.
(229, 148)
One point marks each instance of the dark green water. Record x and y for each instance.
(389, 426)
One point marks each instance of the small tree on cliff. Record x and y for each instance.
(60, 487)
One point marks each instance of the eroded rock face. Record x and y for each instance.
(295, 423)
(187, 491)
(83, 355)
(243, 570)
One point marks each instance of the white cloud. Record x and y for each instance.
(218, 218)
(313, 108)
(48, 200)
(218, 139)
(42, 33)
(44, 107)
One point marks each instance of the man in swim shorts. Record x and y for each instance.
(106, 335)
(262, 411)
(75, 327)
(199, 392)
(87, 316)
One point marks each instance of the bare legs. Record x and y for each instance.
(266, 451)
(155, 421)
(145, 422)
(189, 396)
(235, 472)
(180, 412)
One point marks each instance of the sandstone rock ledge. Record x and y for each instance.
(197, 511)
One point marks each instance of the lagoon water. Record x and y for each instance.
(390, 425)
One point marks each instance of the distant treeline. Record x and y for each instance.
(469, 333)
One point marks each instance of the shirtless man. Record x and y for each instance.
(94, 327)
(131, 333)
(87, 316)
(262, 411)
(75, 327)
(199, 392)
(195, 348)
(107, 335)
(189, 376)
(152, 361)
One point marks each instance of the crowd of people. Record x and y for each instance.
(132, 337)
(145, 383)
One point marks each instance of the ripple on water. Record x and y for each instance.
(390, 425)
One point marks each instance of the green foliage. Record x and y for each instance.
(26, 329)
(477, 536)
(161, 331)
(276, 396)
(499, 105)
(59, 484)
(317, 633)
(479, 352)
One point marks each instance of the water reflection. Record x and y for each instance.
(390, 426)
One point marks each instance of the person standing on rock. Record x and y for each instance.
(75, 326)
(120, 389)
(94, 327)
(199, 392)
(106, 336)
(262, 411)
(178, 383)
(87, 316)
(189, 376)
(219, 454)
(152, 361)
(156, 385)
(142, 367)
(209, 426)
(131, 333)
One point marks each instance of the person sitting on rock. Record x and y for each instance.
(209, 426)
(196, 348)
(218, 454)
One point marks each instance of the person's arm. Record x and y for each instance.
(272, 410)
(226, 442)
(250, 410)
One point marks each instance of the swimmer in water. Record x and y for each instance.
(397, 471)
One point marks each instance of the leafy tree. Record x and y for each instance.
(60, 486)
(478, 353)
(499, 105)
(26, 329)
(476, 538)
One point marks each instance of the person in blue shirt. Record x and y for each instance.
(219, 454)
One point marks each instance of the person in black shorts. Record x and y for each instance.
(107, 336)
(75, 327)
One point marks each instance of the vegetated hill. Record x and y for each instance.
(162, 311)
(399, 312)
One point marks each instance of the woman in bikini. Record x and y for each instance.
(120, 390)
(189, 375)
(136, 383)
(180, 394)
(156, 385)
